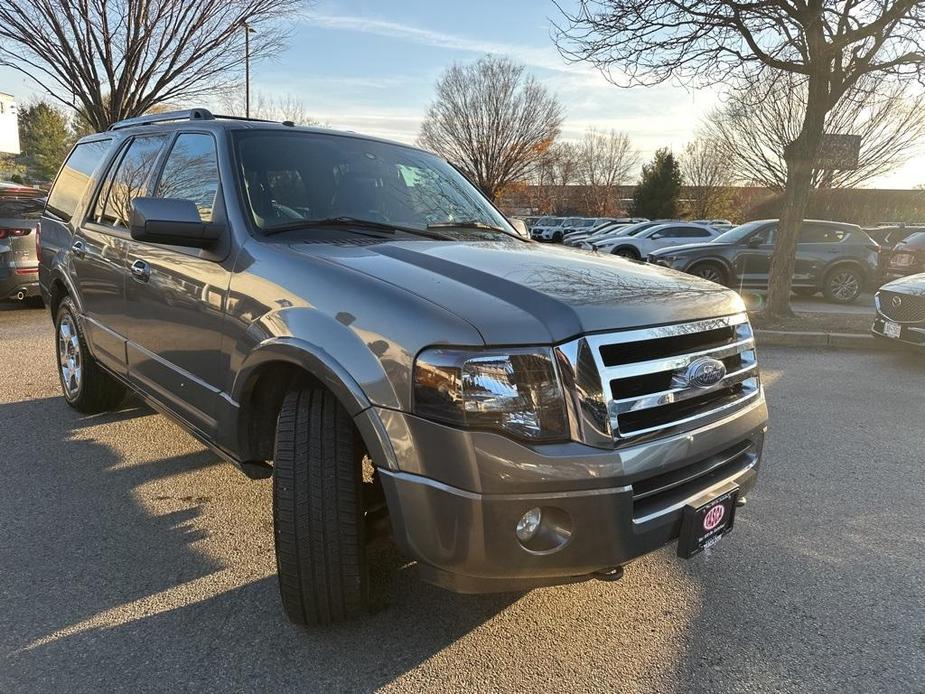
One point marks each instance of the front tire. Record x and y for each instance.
(86, 387)
(843, 285)
(627, 252)
(714, 272)
(318, 511)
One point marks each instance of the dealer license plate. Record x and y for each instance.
(704, 523)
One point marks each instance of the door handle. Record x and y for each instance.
(78, 248)
(141, 271)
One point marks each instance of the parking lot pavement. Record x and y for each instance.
(864, 306)
(131, 559)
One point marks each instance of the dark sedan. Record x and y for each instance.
(901, 310)
(19, 266)
(834, 258)
(907, 257)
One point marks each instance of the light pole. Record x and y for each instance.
(247, 69)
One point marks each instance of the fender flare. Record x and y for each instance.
(322, 365)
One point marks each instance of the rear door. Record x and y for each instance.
(99, 247)
(817, 246)
(175, 296)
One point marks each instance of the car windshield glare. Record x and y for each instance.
(296, 176)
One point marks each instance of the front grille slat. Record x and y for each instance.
(648, 389)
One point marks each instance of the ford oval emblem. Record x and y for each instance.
(705, 372)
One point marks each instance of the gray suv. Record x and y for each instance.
(354, 318)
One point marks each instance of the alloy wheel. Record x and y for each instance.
(69, 357)
(844, 285)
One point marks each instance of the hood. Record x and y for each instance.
(669, 250)
(913, 284)
(529, 293)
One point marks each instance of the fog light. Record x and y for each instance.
(528, 524)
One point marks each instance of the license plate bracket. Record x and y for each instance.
(706, 520)
(891, 329)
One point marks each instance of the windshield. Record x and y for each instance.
(294, 176)
(740, 232)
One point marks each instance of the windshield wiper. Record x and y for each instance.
(346, 222)
(468, 224)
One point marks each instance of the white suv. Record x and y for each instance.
(660, 236)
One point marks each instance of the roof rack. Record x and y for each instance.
(191, 114)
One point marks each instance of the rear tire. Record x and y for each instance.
(805, 291)
(85, 385)
(714, 272)
(843, 285)
(318, 511)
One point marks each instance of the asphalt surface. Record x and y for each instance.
(131, 559)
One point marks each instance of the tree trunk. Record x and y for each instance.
(800, 156)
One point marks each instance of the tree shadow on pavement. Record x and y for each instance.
(97, 592)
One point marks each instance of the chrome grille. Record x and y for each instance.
(901, 308)
(645, 379)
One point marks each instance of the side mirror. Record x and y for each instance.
(520, 226)
(171, 221)
(754, 242)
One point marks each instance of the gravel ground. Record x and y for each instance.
(133, 560)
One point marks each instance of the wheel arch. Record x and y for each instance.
(719, 260)
(270, 372)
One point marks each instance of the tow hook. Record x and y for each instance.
(609, 575)
(20, 295)
(741, 501)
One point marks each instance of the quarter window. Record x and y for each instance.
(75, 176)
(191, 173)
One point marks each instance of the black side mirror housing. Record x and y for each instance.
(171, 221)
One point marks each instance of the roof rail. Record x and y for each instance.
(191, 114)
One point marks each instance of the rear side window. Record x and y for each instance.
(819, 234)
(191, 173)
(75, 176)
(129, 179)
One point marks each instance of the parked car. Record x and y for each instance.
(548, 229)
(401, 369)
(835, 258)
(599, 232)
(608, 240)
(638, 245)
(887, 237)
(901, 310)
(719, 224)
(906, 258)
(20, 210)
(577, 225)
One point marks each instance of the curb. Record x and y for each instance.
(785, 338)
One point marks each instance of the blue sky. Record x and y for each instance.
(371, 67)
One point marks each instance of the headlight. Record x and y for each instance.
(515, 391)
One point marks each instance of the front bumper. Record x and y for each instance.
(456, 497)
(910, 334)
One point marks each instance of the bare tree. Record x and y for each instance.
(285, 108)
(491, 120)
(754, 126)
(114, 59)
(555, 170)
(708, 176)
(605, 161)
(832, 45)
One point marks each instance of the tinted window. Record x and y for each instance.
(191, 173)
(668, 233)
(21, 208)
(129, 179)
(821, 234)
(72, 182)
(693, 233)
(294, 177)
